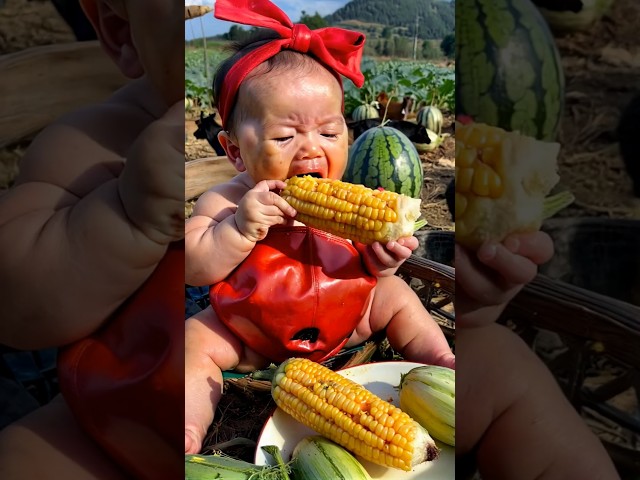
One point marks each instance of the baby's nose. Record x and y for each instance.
(309, 147)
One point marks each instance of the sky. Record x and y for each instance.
(293, 8)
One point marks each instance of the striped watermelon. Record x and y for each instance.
(385, 157)
(430, 118)
(508, 69)
(364, 112)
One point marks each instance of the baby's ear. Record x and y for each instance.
(233, 151)
(110, 21)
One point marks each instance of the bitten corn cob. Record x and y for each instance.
(350, 415)
(352, 211)
(502, 182)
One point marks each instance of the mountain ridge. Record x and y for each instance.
(436, 18)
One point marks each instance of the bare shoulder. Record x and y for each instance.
(221, 200)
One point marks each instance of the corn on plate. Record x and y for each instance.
(380, 378)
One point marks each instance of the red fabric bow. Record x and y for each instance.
(338, 49)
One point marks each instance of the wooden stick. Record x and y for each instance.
(203, 173)
(41, 83)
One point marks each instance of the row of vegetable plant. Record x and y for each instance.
(427, 83)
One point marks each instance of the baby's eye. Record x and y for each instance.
(282, 139)
(330, 135)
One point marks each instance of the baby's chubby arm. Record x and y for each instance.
(383, 260)
(227, 222)
(80, 232)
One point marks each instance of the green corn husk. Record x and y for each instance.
(318, 458)
(428, 394)
(222, 467)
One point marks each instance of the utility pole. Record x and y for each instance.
(415, 36)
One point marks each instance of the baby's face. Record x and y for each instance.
(292, 124)
(157, 31)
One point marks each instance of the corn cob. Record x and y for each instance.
(350, 415)
(428, 394)
(502, 182)
(352, 211)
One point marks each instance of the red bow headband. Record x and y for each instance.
(338, 49)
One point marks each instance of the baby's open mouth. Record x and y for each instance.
(311, 174)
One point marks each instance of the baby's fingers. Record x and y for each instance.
(270, 198)
(537, 246)
(514, 268)
(282, 205)
(266, 185)
(481, 284)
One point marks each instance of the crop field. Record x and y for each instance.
(426, 82)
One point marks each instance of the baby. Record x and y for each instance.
(281, 289)
(512, 416)
(95, 212)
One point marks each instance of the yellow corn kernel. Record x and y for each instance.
(352, 211)
(350, 415)
(478, 157)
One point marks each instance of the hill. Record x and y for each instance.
(436, 18)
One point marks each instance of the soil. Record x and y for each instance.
(602, 73)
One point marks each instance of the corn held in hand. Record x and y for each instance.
(352, 211)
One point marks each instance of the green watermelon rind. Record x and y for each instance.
(383, 157)
(364, 112)
(431, 118)
(525, 90)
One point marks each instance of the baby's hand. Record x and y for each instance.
(261, 208)
(151, 184)
(384, 260)
(488, 280)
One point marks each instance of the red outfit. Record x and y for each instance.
(300, 292)
(125, 382)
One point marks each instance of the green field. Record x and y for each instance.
(424, 81)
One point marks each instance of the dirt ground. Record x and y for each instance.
(602, 72)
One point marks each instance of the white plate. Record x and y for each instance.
(380, 378)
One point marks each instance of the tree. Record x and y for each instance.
(430, 50)
(448, 45)
(313, 22)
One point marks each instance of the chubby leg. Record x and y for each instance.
(409, 327)
(48, 443)
(511, 411)
(210, 348)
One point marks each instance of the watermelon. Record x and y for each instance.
(384, 157)
(565, 20)
(364, 112)
(430, 118)
(508, 69)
